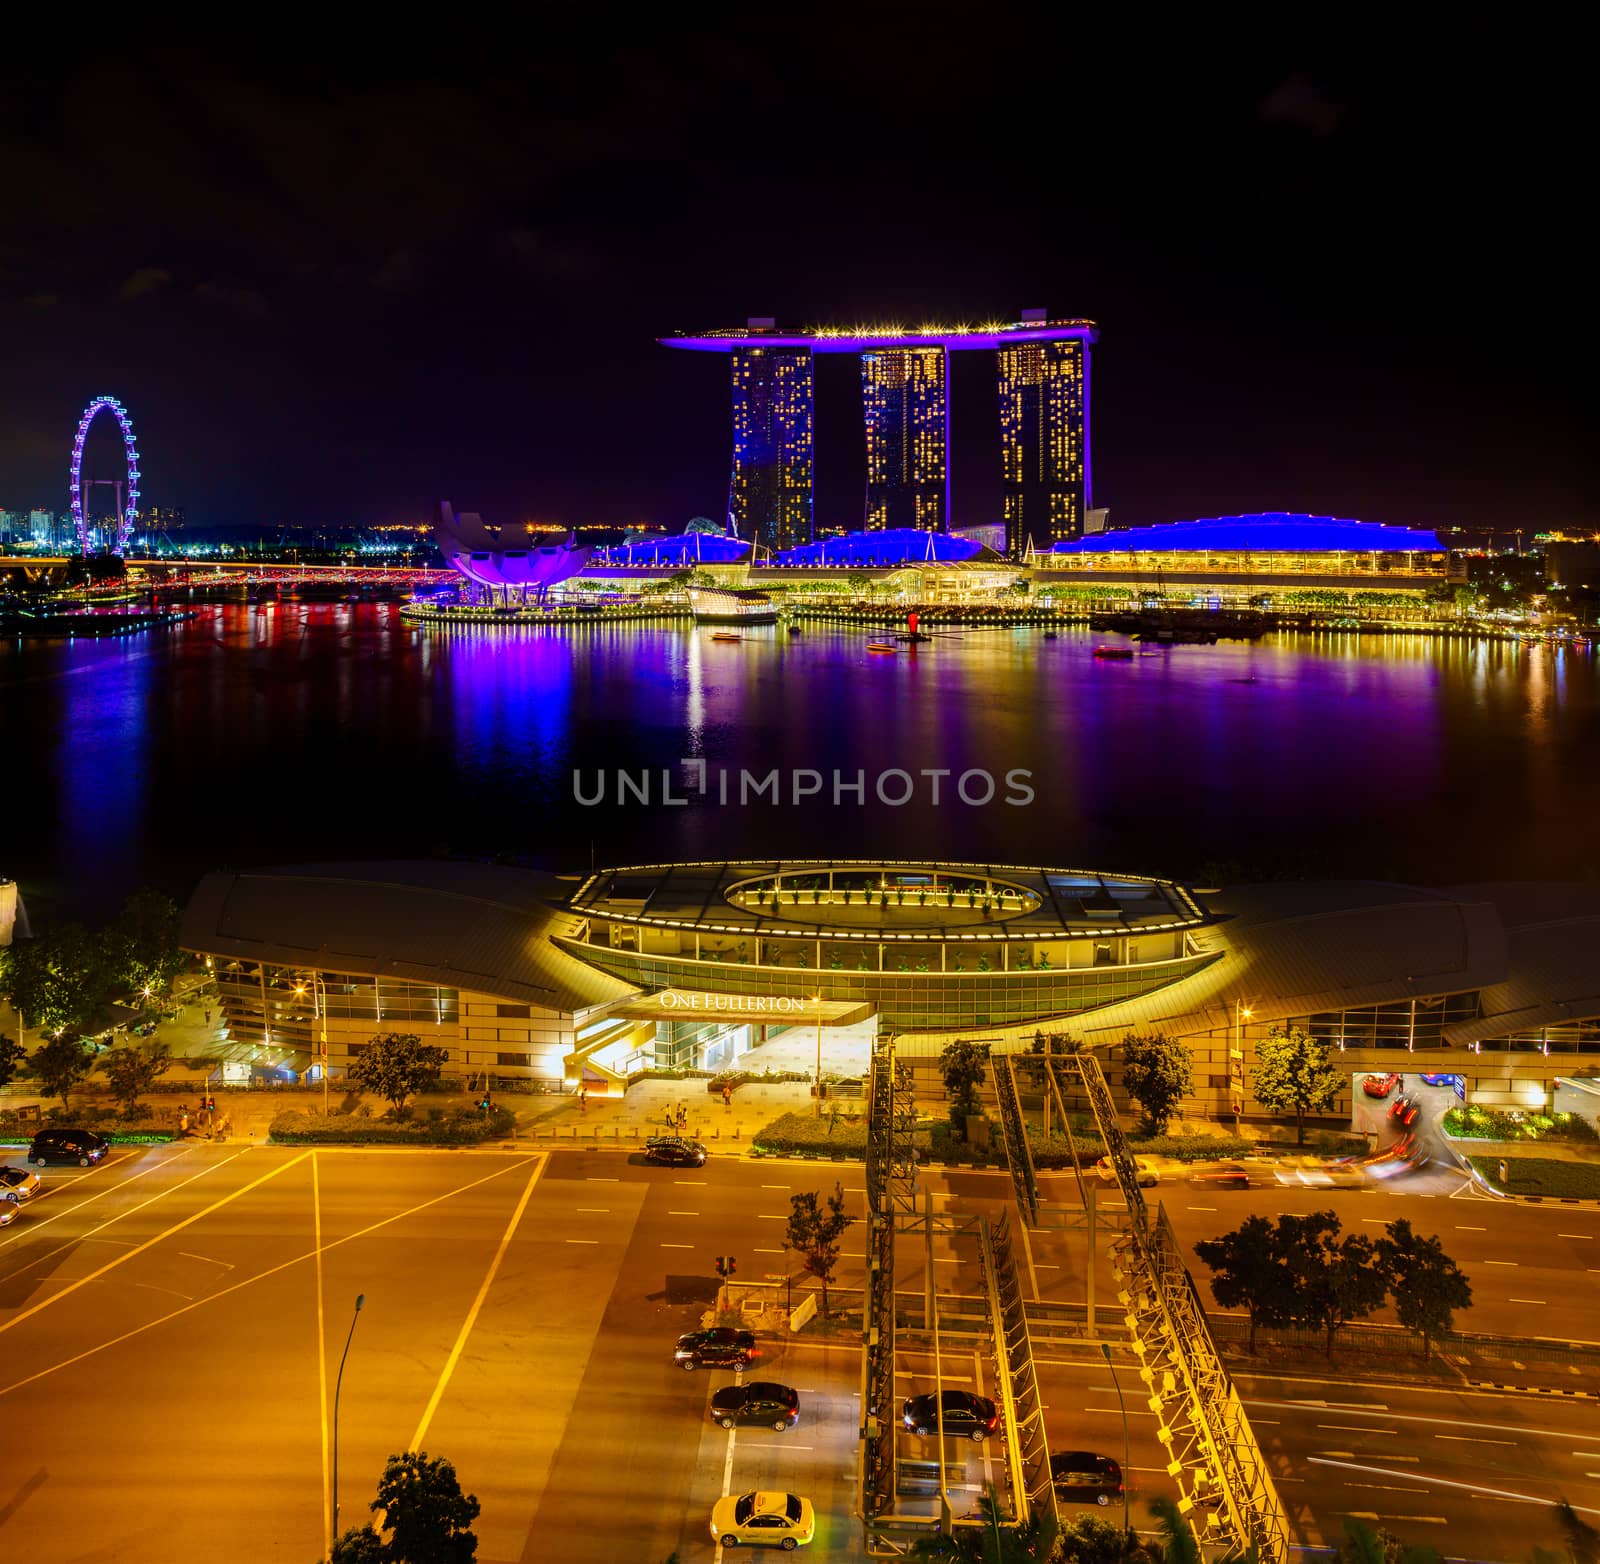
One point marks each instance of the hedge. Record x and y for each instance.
(1542, 1176)
(1473, 1122)
(462, 1129)
(661, 1073)
(738, 1078)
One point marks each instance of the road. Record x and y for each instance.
(171, 1325)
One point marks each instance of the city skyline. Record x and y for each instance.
(340, 296)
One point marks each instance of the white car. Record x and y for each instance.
(1145, 1169)
(18, 1184)
(8, 1212)
(772, 1520)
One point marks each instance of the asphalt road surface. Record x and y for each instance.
(171, 1326)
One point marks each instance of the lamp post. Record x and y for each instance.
(1105, 1348)
(1236, 1063)
(819, 1055)
(361, 1298)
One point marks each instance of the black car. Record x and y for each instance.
(967, 1415)
(81, 1146)
(1225, 1175)
(1083, 1477)
(716, 1348)
(760, 1402)
(674, 1151)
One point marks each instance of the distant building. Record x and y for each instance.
(769, 490)
(42, 528)
(903, 400)
(1043, 441)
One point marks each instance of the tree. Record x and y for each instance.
(395, 1065)
(57, 980)
(1363, 1545)
(1332, 1280)
(1248, 1272)
(1427, 1284)
(1582, 1540)
(12, 1055)
(133, 1070)
(963, 1065)
(1087, 1539)
(141, 947)
(1293, 1075)
(1177, 1540)
(814, 1234)
(425, 1512)
(363, 1546)
(1156, 1073)
(59, 1064)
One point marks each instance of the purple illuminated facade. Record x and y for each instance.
(128, 502)
(1043, 384)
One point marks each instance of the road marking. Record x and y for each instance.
(477, 1304)
(1041, 1266)
(1351, 1428)
(677, 1246)
(1499, 1262)
(207, 1258)
(1525, 1300)
(763, 1217)
(1211, 1209)
(727, 1465)
(1264, 1422)
(595, 1178)
(1475, 1489)
(1587, 1455)
(769, 1251)
(1574, 1235)
(322, 1347)
(1376, 1221)
(1386, 1488)
(150, 1243)
(1467, 1439)
(581, 1240)
(776, 1186)
(1372, 1515)
(1463, 1227)
(593, 1210)
(683, 1213)
(261, 1276)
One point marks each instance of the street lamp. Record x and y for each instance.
(1236, 1063)
(1105, 1348)
(361, 1298)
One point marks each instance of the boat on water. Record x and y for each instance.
(1115, 653)
(882, 646)
(726, 635)
(732, 605)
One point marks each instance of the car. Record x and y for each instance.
(1440, 1080)
(966, 1415)
(718, 1347)
(1145, 1170)
(1379, 1085)
(1225, 1175)
(8, 1212)
(772, 1520)
(81, 1146)
(760, 1402)
(675, 1151)
(1082, 1477)
(1313, 1173)
(1404, 1111)
(18, 1184)
(848, 1086)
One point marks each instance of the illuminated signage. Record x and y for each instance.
(732, 1004)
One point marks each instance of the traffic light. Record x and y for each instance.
(209, 1104)
(733, 1265)
(726, 1266)
(483, 1102)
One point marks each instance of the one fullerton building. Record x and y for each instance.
(529, 978)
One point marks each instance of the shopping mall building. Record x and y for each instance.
(524, 976)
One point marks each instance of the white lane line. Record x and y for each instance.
(677, 1246)
(1574, 1235)
(1261, 1422)
(1499, 1262)
(150, 1243)
(188, 1297)
(1211, 1209)
(1352, 1428)
(1384, 1487)
(699, 1183)
(1467, 1439)
(207, 1258)
(761, 1216)
(1372, 1515)
(769, 1251)
(683, 1213)
(594, 1210)
(581, 1240)
(1587, 1455)
(471, 1318)
(1465, 1227)
(1526, 1300)
(1041, 1266)
(1376, 1221)
(775, 1186)
(595, 1178)
(727, 1466)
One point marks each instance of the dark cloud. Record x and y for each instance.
(148, 279)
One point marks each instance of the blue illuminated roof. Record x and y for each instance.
(892, 546)
(686, 548)
(1261, 533)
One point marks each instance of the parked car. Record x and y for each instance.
(1404, 1111)
(1440, 1080)
(18, 1184)
(675, 1151)
(718, 1347)
(1082, 1477)
(760, 1402)
(81, 1146)
(966, 1415)
(1145, 1170)
(772, 1520)
(1379, 1085)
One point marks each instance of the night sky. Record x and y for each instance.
(336, 275)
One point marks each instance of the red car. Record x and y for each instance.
(1404, 1112)
(1379, 1085)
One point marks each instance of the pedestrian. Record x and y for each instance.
(208, 1018)
(183, 1122)
(727, 1096)
(583, 1098)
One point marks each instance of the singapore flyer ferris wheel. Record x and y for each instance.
(127, 502)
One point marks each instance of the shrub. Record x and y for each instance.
(738, 1078)
(463, 1127)
(661, 1073)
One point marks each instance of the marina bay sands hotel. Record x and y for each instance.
(1042, 379)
